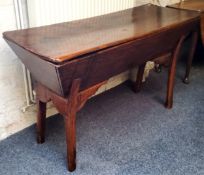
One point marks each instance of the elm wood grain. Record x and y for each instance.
(68, 107)
(65, 41)
(58, 69)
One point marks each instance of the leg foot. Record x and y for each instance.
(40, 139)
(186, 80)
(169, 105)
(190, 58)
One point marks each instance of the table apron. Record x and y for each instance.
(104, 64)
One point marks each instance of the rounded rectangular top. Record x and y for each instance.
(64, 41)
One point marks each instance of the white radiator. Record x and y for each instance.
(44, 12)
(20, 9)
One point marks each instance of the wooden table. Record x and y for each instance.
(71, 60)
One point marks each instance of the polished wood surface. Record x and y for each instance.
(96, 67)
(61, 42)
(102, 47)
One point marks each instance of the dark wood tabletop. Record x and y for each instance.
(64, 41)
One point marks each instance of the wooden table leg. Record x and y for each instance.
(68, 107)
(70, 124)
(190, 58)
(41, 117)
(138, 84)
(172, 72)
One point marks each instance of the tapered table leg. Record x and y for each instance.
(41, 117)
(190, 58)
(138, 84)
(70, 127)
(70, 124)
(172, 72)
(68, 107)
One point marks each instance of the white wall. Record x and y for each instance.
(73, 10)
(12, 93)
(11, 87)
(56, 12)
